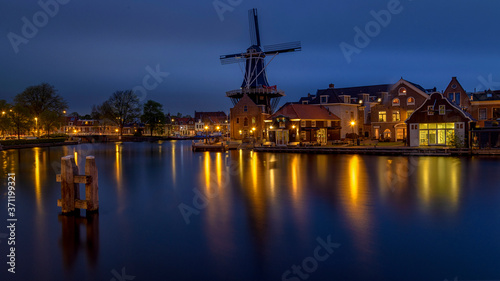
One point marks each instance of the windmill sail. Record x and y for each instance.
(255, 83)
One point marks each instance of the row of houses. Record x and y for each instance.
(403, 111)
(204, 123)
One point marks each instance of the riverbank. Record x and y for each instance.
(385, 150)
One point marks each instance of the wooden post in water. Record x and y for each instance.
(67, 184)
(70, 190)
(91, 189)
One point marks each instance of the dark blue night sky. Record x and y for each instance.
(89, 49)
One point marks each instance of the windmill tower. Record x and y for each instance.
(255, 83)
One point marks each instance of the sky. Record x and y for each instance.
(168, 51)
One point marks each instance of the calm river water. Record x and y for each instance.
(255, 216)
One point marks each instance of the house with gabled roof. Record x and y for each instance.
(393, 108)
(438, 122)
(456, 94)
(247, 120)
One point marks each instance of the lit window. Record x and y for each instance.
(395, 102)
(442, 109)
(430, 110)
(396, 117)
(402, 91)
(409, 113)
(410, 101)
(382, 116)
(302, 123)
(313, 123)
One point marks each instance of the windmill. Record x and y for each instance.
(255, 83)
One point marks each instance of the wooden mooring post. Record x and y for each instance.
(70, 190)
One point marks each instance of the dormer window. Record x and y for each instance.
(305, 102)
(396, 102)
(347, 99)
(410, 101)
(323, 99)
(402, 91)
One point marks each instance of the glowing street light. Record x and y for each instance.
(352, 126)
(218, 128)
(36, 125)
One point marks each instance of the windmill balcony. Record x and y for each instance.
(240, 92)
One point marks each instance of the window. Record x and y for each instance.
(409, 112)
(302, 123)
(382, 116)
(457, 98)
(410, 101)
(253, 120)
(442, 109)
(245, 108)
(496, 113)
(305, 102)
(430, 110)
(482, 114)
(402, 91)
(436, 133)
(323, 99)
(396, 102)
(396, 117)
(329, 123)
(245, 122)
(237, 121)
(347, 99)
(313, 123)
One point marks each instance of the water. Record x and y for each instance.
(386, 218)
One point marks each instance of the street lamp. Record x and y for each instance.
(36, 125)
(352, 126)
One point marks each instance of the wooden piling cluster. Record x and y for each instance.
(70, 185)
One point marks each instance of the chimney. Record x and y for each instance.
(331, 86)
(308, 95)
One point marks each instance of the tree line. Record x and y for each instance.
(42, 108)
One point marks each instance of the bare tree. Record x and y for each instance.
(121, 108)
(41, 99)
